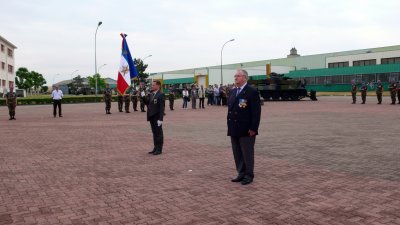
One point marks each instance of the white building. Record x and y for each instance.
(7, 64)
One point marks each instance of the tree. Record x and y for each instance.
(101, 82)
(44, 88)
(23, 78)
(141, 68)
(77, 82)
(37, 80)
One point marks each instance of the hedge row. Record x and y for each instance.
(66, 100)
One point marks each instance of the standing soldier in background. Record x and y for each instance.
(393, 89)
(171, 97)
(127, 99)
(398, 92)
(379, 91)
(120, 101)
(364, 89)
(11, 102)
(354, 91)
(134, 98)
(107, 97)
(142, 97)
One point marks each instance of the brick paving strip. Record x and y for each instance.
(316, 163)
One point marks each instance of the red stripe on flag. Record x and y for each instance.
(121, 84)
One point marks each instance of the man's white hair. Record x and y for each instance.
(244, 72)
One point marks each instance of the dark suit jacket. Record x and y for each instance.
(246, 116)
(156, 107)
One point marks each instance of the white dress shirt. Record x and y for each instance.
(57, 95)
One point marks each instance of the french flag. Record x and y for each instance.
(127, 69)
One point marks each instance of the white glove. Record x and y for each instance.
(159, 123)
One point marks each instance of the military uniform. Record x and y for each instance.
(363, 90)
(142, 99)
(134, 98)
(354, 93)
(379, 91)
(171, 98)
(398, 92)
(393, 89)
(107, 96)
(11, 101)
(127, 99)
(120, 102)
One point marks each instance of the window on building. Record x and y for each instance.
(338, 79)
(338, 64)
(309, 80)
(3, 82)
(3, 65)
(10, 69)
(10, 52)
(368, 62)
(11, 83)
(394, 77)
(2, 48)
(320, 80)
(348, 79)
(390, 60)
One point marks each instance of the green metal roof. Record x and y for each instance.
(385, 68)
(179, 81)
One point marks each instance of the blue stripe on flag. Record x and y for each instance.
(128, 57)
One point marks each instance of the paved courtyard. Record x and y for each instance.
(326, 162)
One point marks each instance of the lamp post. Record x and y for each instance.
(54, 76)
(98, 70)
(222, 79)
(73, 74)
(147, 57)
(95, 59)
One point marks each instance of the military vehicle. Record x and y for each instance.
(278, 87)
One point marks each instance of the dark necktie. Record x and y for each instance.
(238, 91)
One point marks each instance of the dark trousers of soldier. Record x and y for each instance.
(193, 103)
(142, 105)
(201, 103)
(108, 105)
(120, 103)
(134, 103)
(398, 96)
(57, 104)
(158, 135)
(379, 97)
(393, 97)
(353, 95)
(11, 110)
(243, 153)
(127, 102)
(363, 97)
(171, 104)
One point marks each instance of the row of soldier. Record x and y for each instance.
(394, 90)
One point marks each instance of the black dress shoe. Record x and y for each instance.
(157, 153)
(152, 152)
(246, 180)
(238, 179)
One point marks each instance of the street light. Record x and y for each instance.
(98, 70)
(73, 74)
(222, 80)
(95, 59)
(54, 76)
(147, 57)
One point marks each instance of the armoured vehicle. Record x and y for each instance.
(278, 87)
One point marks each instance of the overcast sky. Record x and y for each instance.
(57, 37)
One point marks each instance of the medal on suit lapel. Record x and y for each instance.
(242, 103)
(155, 101)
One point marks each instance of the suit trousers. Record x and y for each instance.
(158, 135)
(243, 153)
(57, 103)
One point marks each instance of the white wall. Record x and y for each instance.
(365, 56)
(4, 74)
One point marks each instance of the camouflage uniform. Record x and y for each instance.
(107, 96)
(11, 101)
(120, 102)
(364, 89)
(398, 91)
(134, 98)
(127, 99)
(142, 96)
(393, 89)
(171, 98)
(379, 91)
(354, 93)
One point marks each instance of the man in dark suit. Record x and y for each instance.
(244, 111)
(155, 114)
